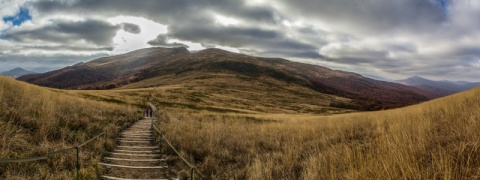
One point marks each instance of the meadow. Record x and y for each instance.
(35, 121)
(227, 135)
(433, 140)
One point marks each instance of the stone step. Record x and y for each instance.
(134, 160)
(135, 139)
(128, 151)
(129, 132)
(138, 147)
(136, 133)
(130, 141)
(139, 136)
(139, 155)
(116, 178)
(134, 167)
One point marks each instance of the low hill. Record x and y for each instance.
(17, 72)
(438, 139)
(177, 64)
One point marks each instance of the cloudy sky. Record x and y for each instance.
(437, 39)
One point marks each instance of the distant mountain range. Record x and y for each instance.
(17, 72)
(179, 66)
(438, 88)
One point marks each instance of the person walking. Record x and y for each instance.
(151, 112)
(146, 112)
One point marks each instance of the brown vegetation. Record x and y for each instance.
(35, 121)
(433, 140)
(178, 65)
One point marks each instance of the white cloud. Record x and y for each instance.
(226, 21)
(10, 7)
(192, 46)
(125, 41)
(227, 48)
(394, 38)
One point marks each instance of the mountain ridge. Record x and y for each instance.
(177, 63)
(438, 88)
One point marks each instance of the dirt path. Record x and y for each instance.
(136, 156)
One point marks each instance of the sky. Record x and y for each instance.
(395, 39)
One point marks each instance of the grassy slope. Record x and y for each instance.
(35, 121)
(231, 129)
(217, 92)
(433, 140)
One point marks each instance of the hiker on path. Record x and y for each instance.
(146, 112)
(151, 112)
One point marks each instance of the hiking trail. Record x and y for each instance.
(136, 156)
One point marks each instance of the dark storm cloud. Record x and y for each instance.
(371, 16)
(165, 11)
(131, 28)
(404, 37)
(187, 19)
(49, 60)
(268, 40)
(192, 20)
(68, 48)
(62, 31)
(161, 41)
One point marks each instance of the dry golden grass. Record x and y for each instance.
(434, 140)
(35, 121)
(230, 93)
(234, 132)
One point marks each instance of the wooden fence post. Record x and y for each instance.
(191, 174)
(105, 143)
(78, 162)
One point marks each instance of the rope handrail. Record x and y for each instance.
(92, 139)
(175, 150)
(23, 159)
(46, 156)
(60, 151)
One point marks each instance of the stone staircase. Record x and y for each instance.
(136, 156)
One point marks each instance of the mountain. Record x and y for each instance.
(17, 72)
(107, 72)
(211, 66)
(438, 88)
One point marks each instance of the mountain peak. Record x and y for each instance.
(17, 72)
(215, 51)
(18, 69)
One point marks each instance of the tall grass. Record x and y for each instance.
(35, 121)
(434, 140)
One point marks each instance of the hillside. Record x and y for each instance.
(107, 72)
(207, 65)
(433, 140)
(35, 121)
(178, 66)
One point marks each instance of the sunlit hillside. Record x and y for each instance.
(35, 121)
(229, 136)
(439, 139)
